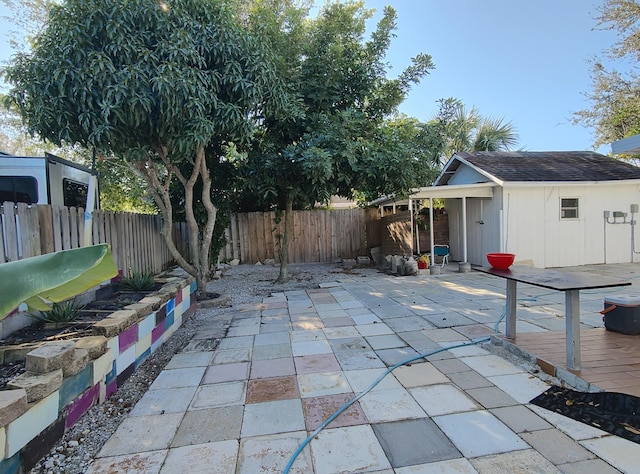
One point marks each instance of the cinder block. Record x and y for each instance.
(146, 325)
(72, 387)
(50, 357)
(94, 345)
(168, 321)
(113, 345)
(125, 359)
(31, 423)
(141, 358)
(39, 446)
(3, 443)
(128, 338)
(364, 261)
(348, 262)
(13, 403)
(102, 366)
(143, 344)
(37, 386)
(80, 405)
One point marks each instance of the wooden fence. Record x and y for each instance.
(135, 239)
(396, 235)
(318, 236)
(136, 242)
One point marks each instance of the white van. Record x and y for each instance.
(44, 180)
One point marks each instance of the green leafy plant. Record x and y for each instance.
(63, 312)
(53, 278)
(138, 281)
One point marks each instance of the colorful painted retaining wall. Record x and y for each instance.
(64, 379)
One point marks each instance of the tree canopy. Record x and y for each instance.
(615, 83)
(158, 84)
(333, 138)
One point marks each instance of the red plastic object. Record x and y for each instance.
(501, 261)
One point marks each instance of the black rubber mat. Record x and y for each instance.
(615, 413)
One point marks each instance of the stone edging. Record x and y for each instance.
(64, 379)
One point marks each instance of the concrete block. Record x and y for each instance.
(364, 261)
(50, 357)
(146, 325)
(37, 386)
(125, 359)
(348, 262)
(128, 338)
(143, 344)
(40, 446)
(3, 443)
(80, 405)
(141, 309)
(102, 366)
(154, 301)
(13, 403)
(115, 323)
(94, 345)
(78, 362)
(72, 387)
(32, 423)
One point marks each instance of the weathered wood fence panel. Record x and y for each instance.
(318, 236)
(137, 243)
(135, 239)
(396, 234)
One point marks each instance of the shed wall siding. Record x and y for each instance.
(535, 231)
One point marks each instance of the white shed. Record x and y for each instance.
(552, 208)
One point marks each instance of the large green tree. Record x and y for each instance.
(326, 141)
(615, 83)
(163, 85)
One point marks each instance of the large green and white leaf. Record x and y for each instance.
(51, 278)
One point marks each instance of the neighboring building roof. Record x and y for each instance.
(531, 166)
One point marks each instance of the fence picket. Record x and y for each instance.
(137, 243)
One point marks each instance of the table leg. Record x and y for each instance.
(572, 303)
(511, 309)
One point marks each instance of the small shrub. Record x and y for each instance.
(63, 312)
(138, 281)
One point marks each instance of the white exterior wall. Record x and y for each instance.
(525, 220)
(533, 228)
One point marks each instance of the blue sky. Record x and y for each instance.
(522, 60)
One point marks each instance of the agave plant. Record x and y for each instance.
(138, 281)
(63, 312)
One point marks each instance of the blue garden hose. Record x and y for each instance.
(387, 372)
(368, 389)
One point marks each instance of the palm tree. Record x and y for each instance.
(470, 131)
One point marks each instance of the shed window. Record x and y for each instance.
(569, 208)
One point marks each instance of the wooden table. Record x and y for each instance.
(569, 282)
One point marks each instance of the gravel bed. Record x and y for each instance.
(242, 284)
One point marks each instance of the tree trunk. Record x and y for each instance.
(284, 247)
(199, 242)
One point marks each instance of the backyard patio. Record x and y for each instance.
(287, 364)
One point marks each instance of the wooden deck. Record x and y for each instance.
(610, 360)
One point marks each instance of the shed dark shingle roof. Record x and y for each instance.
(551, 166)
